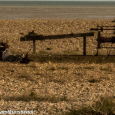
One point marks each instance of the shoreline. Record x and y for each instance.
(56, 13)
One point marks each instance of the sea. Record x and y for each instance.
(57, 10)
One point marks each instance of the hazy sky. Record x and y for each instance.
(57, 0)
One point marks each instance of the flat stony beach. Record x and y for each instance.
(52, 84)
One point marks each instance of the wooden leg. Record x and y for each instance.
(84, 46)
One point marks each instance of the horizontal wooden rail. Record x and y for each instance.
(100, 29)
(106, 47)
(41, 37)
(105, 26)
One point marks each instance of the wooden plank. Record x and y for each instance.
(29, 38)
(41, 37)
(99, 39)
(107, 47)
(69, 35)
(100, 29)
(105, 26)
(108, 29)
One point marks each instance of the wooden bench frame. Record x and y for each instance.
(33, 37)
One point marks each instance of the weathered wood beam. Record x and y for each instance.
(100, 29)
(105, 26)
(41, 37)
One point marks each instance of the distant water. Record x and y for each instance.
(56, 10)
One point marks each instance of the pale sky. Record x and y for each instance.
(57, 0)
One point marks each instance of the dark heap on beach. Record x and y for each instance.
(12, 58)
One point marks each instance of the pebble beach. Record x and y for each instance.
(10, 30)
(53, 88)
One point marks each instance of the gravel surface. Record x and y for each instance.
(50, 87)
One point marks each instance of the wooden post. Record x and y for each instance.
(34, 46)
(84, 46)
(98, 42)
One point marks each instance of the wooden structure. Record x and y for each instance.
(101, 39)
(101, 28)
(32, 36)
